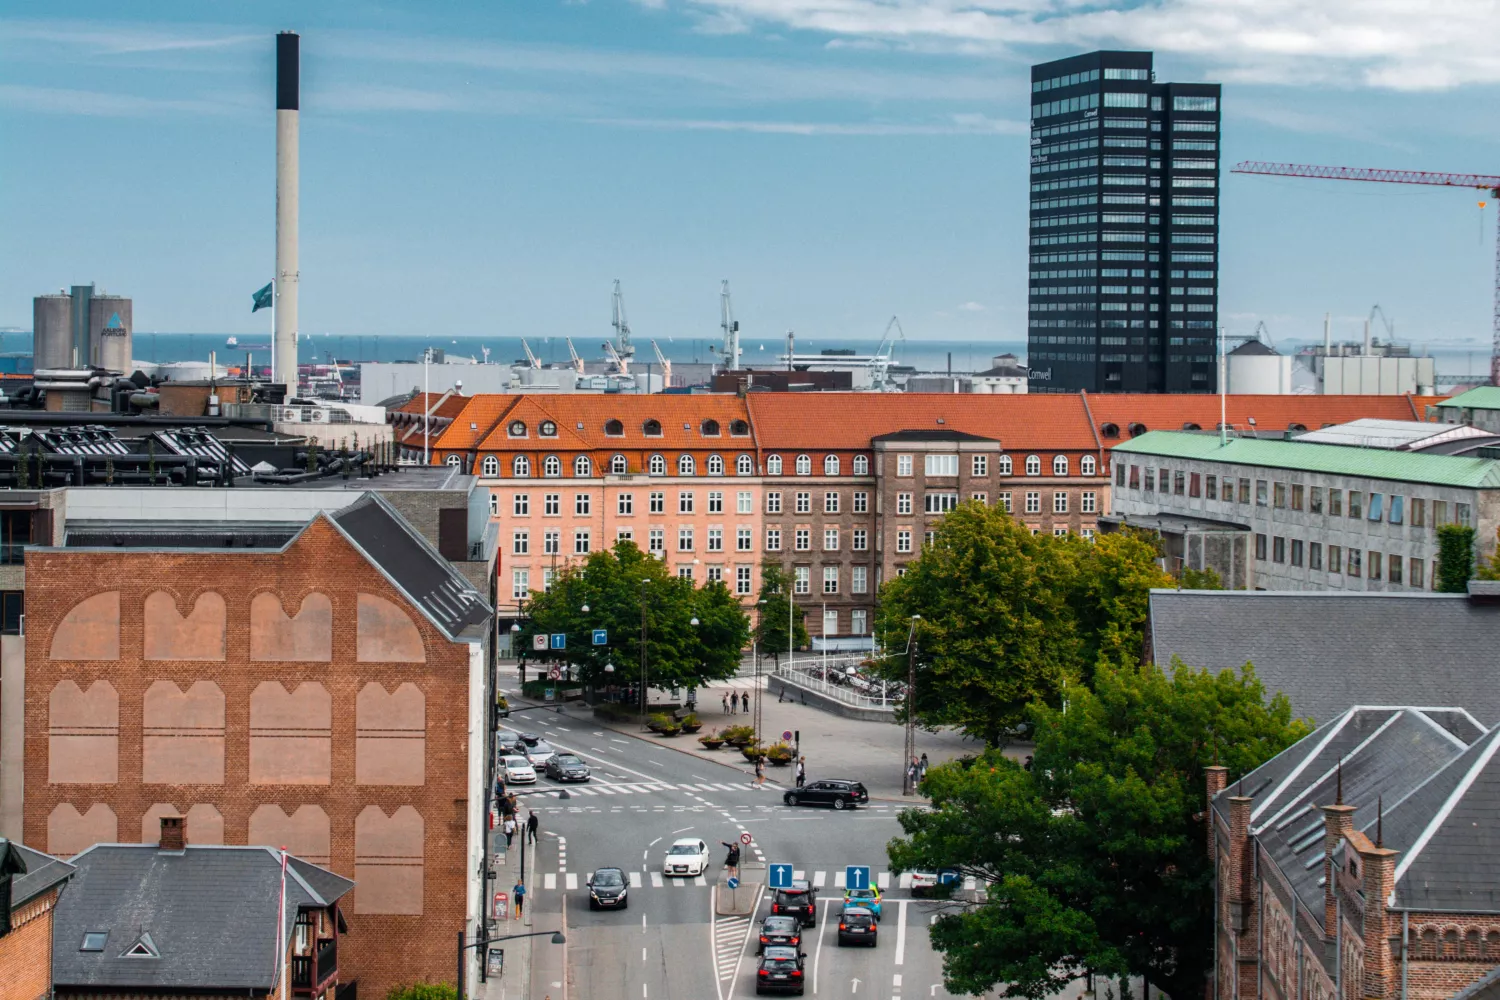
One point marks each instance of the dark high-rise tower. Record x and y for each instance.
(1124, 236)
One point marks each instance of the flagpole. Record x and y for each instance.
(273, 329)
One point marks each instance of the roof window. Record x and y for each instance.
(739, 428)
(517, 429)
(1190, 426)
(94, 940)
(651, 428)
(548, 429)
(144, 947)
(613, 428)
(710, 428)
(1110, 430)
(1136, 429)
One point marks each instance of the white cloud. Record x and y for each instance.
(61, 101)
(124, 39)
(953, 127)
(973, 307)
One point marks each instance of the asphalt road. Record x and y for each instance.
(668, 943)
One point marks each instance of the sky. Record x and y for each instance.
(474, 168)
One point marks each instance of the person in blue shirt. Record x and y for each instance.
(519, 895)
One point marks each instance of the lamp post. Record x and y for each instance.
(909, 782)
(484, 942)
(645, 632)
(515, 633)
(755, 656)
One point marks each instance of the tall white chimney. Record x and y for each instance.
(1327, 334)
(284, 349)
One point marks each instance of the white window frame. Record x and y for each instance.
(685, 465)
(804, 465)
(619, 465)
(903, 465)
(1033, 465)
(1086, 466)
(830, 465)
(715, 465)
(979, 465)
(861, 465)
(773, 465)
(582, 467)
(490, 467)
(1060, 465)
(830, 579)
(744, 466)
(552, 467)
(1003, 465)
(744, 502)
(658, 465)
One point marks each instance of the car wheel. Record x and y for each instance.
(839, 803)
(791, 800)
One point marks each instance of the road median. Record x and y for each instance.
(742, 900)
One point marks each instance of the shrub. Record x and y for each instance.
(536, 688)
(691, 719)
(422, 991)
(779, 752)
(731, 733)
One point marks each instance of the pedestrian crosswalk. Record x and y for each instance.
(820, 879)
(604, 789)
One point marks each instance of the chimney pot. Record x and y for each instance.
(173, 833)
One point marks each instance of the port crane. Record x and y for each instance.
(730, 352)
(573, 355)
(531, 359)
(1481, 182)
(666, 367)
(621, 365)
(623, 350)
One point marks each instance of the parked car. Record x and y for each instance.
(932, 881)
(608, 889)
(566, 767)
(780, 971)
(779, 931)
(867, 898)
(687, 856)
(800, 901)
(857, 926)
(530, 739)
(841, 793)
(540, 752)
(509, 741)
(518, 770)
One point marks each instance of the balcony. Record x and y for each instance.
(310, 974)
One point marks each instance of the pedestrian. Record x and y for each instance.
(732, 860)
(911, 773)
(922, 769)
(801, 771)
(760, 772)
(734, 702)
(518, 893)
(781, 695)
(531, 825)
(514, 805)
(726, 702)
(510, 830)
(1027, 765)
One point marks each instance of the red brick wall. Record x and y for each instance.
(380, 949)
(26, 952)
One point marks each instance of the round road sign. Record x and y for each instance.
(745, 838)
(555, 673)
(733, 882)
(786, 734)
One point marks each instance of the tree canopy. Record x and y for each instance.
(615, 585)
(1008, 617)
(1095, 858)
(1455, 558)
(772, 629)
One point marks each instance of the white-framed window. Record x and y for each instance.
(744, 466)
(830, 539)
(861, 502)
(928, 537)
(744, 502)
(859, 540)
(1060, 465)
(939, 502)
(980, 497)
(940, 465)
(716, 501)
(625, 504)
(658, 465)
(715, 539)
(803, 539)
(455, 462)
(552, 467)
(581, 542)
(684, 572)
(1003, 465)
(1033, 502)
(552, 504)
(684, 539)
(684, 502)
(494, 505)
(744, 538)
(802, 577)
(658, 502)
(980, 465)
(903, 503)
(1086, 465)
(618, 465)
(773, 502)
(804, 465)
(490, 467)
(830, 579)
(1033, 465)
(1087, 502)
(861, 465)
(520, 467)
(685, 465)
(656, 541)
(831, 502)
(520, 543)
(773, 539)
(715, 574)
(1059, 532)
(903, 539)
(859, 577)
(582, 504)
(830, 465)
(520, 504)
(1059, 503)
(859, 620)
(804, 503)
(624, 534)
(1004, 499)
(773, 465)
(520, 584)
(742, 579)
(517, 429)
(552, 542)
(715, 465)
(582, 467)
(830, 619)
(1087, 534)
(548, 577)
(903, 465)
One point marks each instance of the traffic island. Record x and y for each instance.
(741, 900)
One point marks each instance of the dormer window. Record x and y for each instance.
(651, 428)
(804, 465)
(710, 428)
(715, 465)
(552, 467)
(618, 465)
(548, 429)
(517, 429)
(613, 428)
(739, 428)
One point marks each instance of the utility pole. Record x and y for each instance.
(908, 782)
(643, 650)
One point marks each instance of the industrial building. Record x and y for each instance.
(82, 328)
(1124, 228)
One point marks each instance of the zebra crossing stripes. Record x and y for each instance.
(598, 788)
(656, 880)
(730, 936)
(635, 880)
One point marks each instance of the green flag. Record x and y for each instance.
(262, 298)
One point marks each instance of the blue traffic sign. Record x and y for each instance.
(559, 640)
(780, 876)
(601, 637)
(857, 876)
(733, 882)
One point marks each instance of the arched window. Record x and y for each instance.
(738, 428)
(709, 428)
(658, 465)
(455, 462)
(715, 465)
(1190, 426)
(1136, 429)
(773, 465)
(1086, 465)
(552, 467)
(744, 466)
(618, 466)
(651, 428)
(684, 465)
(581, 466)
(613, 428)
(1109, 430)
(1060, 465)
(491, 466)
(548, 429)
(517, 429)
(861, 465)
(1005, 469)
(830, 465)
(804, 465)
(520, 467)
(1033, 465)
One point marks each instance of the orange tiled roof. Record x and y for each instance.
(473, 423)
(581, 418)
(448, 407)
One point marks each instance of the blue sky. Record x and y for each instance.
(489, 168)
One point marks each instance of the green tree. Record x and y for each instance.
(1200, 579)
(1095, 858)
(1455, 558)
(1008, 617)
(771, 629)
(422, 991)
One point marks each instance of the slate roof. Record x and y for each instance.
(43, 871)
(1328, 650)
(411, 563)
(1254, 348)
(931, 435)
(210, 913)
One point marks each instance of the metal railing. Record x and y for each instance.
(811, 679)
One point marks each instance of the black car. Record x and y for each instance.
(566, 767)
(530, 739)
(800, 901)
(780, 971)
(508, 742)
(779, 932)
(607, 889)
(857, 926)
(840, 793)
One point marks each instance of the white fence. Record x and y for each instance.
(838, 685)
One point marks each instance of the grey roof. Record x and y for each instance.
(1255, 348)
(42, 872)
(210, 913)
(412, 564)
(1327, 651)
(1486, 987)
(931, 435)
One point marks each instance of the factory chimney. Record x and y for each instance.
(284, 348)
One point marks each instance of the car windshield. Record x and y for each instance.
(782, 954)
(608, 876)
(860, 893)
(684, 849)
(517, 762)
(568, 759)
(542, 746)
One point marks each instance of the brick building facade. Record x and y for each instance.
(30, 884)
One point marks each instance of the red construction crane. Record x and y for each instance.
(1482, 182)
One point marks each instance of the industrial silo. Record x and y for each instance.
(110, 332)
(53, 334)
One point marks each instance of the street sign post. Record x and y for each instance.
(786, 735)
(745, 839)
(733, 882)
(857, 876)
(780, 876)
(559, 640)
(601, 637)
(539, 641)
(555, 673)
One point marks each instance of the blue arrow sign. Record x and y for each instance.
(733, 882)
(559, 640)
(780, 876)
(857, 876)
(601, 637)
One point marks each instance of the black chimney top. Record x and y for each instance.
(287, 45)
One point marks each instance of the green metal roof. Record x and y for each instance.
(1344, 460)
(1484, 397)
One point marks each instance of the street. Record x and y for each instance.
(669, 943)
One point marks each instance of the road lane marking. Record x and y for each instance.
(900, 934)
(906, 880)
(798, 876)
(818, 952)
(896, 980)
(643, 954)
(635, 882)
(613, 740)
(820, 879)
(676, 832)
(839, 880)
(549, 880)
(700, 880)
(655, 842)
(656, 762)
(572, 880)
(656, 880)
(884, 881)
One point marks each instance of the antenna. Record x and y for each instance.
(1380, 821)
(1340, 800)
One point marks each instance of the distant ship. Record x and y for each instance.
(235, 342)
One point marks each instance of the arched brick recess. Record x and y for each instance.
(183, 734)
(290, 734)
(83, 738)
(170, 636)
(390, 743)
(388, 861)
(307, 637)
(68, 832)
(387, 634)
(90, 631)
(305, 833)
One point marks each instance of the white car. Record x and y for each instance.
(688, 856)
(518, 771)
(540, 753)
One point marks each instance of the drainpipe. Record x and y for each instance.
(1405, 943)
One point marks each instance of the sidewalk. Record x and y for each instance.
(515, 982)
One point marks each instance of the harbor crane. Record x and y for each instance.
(624, 350)
(730, 352)
(1481, 182)
(621, 364)
(577, 361)
(531, 359)
(666, 367)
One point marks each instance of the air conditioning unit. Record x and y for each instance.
(291, 415)
(317, 416)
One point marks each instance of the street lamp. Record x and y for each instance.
(755, 655)
(485, 942)
(909, 783)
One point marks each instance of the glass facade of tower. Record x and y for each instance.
(1124, 237)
